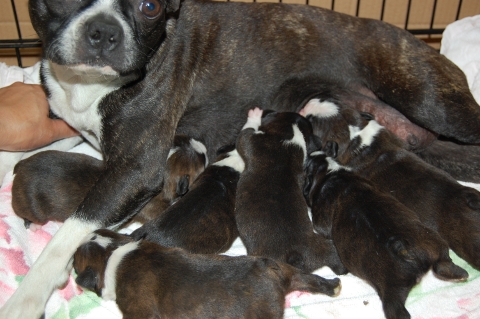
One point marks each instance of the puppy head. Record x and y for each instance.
(90, 259)
(331, 122)
(186, 160)
(281, 123)
(109, 37)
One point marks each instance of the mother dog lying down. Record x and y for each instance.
(131, 74)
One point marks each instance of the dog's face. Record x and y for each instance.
(106, 36)
(90, 259)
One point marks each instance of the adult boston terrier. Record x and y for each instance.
(131, 74)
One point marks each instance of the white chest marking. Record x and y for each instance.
(75, 97)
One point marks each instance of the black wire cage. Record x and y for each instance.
(428, 29)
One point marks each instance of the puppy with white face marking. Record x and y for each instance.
(50, 185)
(203, 220)
(362, 220)
(440, 202)
(176, 284)
(271, 213)
(131, 74)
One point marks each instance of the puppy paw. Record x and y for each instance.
(254, 119)
(34, 227)
(319, 108)
(255, 113)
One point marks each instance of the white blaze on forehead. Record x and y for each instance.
(298, 139)
(108, 292)
(233, 160)
(102, 241)
(199, 147)
(318, 108)
(367, 134)
(172, 151)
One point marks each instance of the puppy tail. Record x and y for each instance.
(445, 269)
(315, 284)
(462, 162)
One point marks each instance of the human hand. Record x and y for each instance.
(24, 121)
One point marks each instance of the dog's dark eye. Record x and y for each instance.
(150, 8)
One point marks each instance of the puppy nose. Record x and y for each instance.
(104, 35)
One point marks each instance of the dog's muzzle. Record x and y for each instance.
(103, 36)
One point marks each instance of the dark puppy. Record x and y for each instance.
(203, 220)
(271, 213)
(50, 185)
(440, 201)
(315, 97)
(175, 284)
(131, 74)
(361, 220)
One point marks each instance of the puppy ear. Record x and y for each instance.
(88, 279)
(307, 186)
(367, 116)
(182, 185)
(314, 144)
(331, 149)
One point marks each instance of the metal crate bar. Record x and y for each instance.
(21, 43)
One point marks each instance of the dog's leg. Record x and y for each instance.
(48, 272)
(425, 86)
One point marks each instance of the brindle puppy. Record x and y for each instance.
(150, 281)
(203, 220)
(271, 213)
(440, 202)
(377, 238)
(50, 185)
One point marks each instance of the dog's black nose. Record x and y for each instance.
(104, 35)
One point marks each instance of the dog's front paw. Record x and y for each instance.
(24, 304)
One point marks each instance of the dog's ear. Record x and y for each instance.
(88, 279)
(172, 5)
(182, 185)
(367, 116)
(314, 144)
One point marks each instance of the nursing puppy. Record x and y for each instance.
(203, 220)
(176, 284)
(361, 220)
(271, 213)
(131, 74)
(440, 202)
(51, 184)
